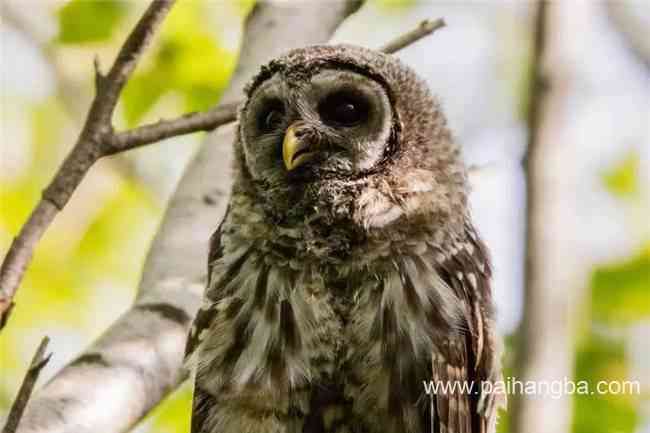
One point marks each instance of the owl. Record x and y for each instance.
(348, 290)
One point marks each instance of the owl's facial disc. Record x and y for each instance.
(334, 124)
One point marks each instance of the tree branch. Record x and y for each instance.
(425, 28)
(98, 139)
(556, 266)
(86, 151)
(633, 27)
(192, 122)
(24, 393)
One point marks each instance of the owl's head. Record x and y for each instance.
(350, 132)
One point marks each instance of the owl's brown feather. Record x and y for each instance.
(474, 358)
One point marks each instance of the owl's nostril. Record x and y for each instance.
(301, 130)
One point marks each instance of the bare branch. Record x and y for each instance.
(126, 61)
(24, 393)
(192, 122)
(537, 97)
(556, 266)
(97, 139)
(84, 154)
(633, 27)
(19, 254)
(90, 145)
(425, 28)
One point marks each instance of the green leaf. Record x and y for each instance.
(512, 342)
(188, 60)
(395, 4)
(603, 359)
(174, 413)
(245, 6)
(90, 20)
(621, 293)
(140, 94)
(115, 242)
(622, 180)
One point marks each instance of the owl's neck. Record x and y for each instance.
(322, 239)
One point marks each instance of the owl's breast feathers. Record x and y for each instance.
(283, 321)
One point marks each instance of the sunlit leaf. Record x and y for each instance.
(600, 359)
(17, 202)
(245, 6)
(173, 414)
(187, 60)
(621, 292)
(115, 243)
(394, 4)
(511, 343)
(90, 20)
(623, 179)
(140, 94)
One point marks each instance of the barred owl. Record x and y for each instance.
(346, 273)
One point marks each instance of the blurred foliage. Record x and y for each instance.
(511, 343)
(20, 195)
(620, 293)
(522, 81)
(622, 180)
(620, 296)
(395, 4)
(174, 414)
(83, 21)
(187, 59)
(600, 359)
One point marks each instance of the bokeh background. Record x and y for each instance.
(87, 267)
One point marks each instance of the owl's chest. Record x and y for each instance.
(341, 293)
(345, 303)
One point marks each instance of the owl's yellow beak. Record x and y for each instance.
(295, 151)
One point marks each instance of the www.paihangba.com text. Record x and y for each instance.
(552, 388)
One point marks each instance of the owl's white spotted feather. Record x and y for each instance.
(336, 290)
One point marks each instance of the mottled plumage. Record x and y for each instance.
(346, 271)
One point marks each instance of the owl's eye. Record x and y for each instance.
(344, 109)
(271, 116)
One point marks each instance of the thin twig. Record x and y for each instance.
(24, 393)
(192, 122)
(425, 28)
(630, 24)
(98, 139)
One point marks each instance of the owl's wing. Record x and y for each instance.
(472, 359)
(202, 400)
(206, 314)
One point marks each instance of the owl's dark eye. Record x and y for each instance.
(344, 109)
(271, 116)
